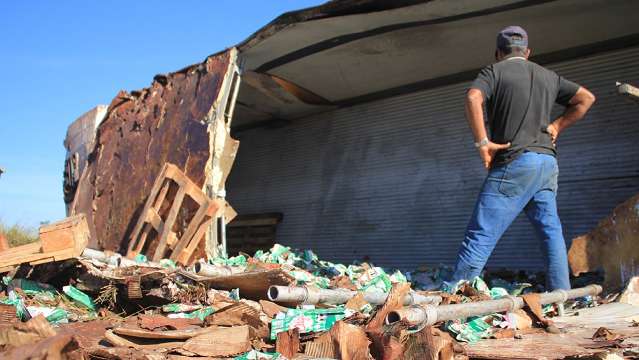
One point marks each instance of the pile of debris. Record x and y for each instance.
(273, 305)
(61, 298)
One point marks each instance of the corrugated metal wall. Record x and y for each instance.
(396, 180)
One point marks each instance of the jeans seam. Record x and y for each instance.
(501, 180)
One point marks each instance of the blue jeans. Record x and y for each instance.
(528, 183)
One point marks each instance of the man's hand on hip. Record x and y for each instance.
(487, 152)
(553, 131)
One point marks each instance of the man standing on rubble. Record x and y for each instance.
(520, 155)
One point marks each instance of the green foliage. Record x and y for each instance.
(18, 234)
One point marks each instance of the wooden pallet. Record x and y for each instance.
(150, 219)
(248, 233)
(62, 240)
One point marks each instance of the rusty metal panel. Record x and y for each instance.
(142, 130)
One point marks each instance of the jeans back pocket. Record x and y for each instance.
(517, 179)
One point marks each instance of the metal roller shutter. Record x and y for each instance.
(395, 180)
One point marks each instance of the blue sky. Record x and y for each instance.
(61, 58)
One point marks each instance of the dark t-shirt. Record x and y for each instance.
(519, 97)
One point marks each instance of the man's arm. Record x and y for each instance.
(475, 117)
(576, 109)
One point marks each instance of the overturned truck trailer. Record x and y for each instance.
(184, 119)
(352, 126)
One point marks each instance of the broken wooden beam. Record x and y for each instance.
(628, 91)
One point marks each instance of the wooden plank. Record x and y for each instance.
(171, 240)
(227, 159)
(147, 205)
(39, 258)
(82, 235)
(18, 251)
(190, 231)
(117, 340)
(141, 241)
(575, 338)
(168, 225)
(288, 343)
(256, 220)
(195, 192)
(184, 256)
(154, 219)
(628, 90)
(188, 243)
(161, 335)
(221, 342)
(162, 195)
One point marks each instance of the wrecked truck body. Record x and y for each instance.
(183, 118)
(343, 150)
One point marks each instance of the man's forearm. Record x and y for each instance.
(475, 114)
(572, 114)
(579, 105)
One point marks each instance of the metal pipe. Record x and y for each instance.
(417, 298)
(206, 269)
(420, 315)
(311, 295)
(126, 262)
(114, 259)
(223, 234)
(308, 295)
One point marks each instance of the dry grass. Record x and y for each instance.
(17, 234)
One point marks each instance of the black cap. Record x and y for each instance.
(512, 36)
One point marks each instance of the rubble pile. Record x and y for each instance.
(101, 305)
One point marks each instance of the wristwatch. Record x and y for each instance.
(483, 142)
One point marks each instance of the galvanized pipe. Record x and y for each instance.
(308, 295)
(416, 298)
(311, 295)
(114, 259)
(420, 315)
(109, 259)
(206, 269)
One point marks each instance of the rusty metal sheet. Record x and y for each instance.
(160, 322)
(87, 334)
(53, 347)
(7, 314)
(142, 130)
(612, 245)
(221, 342)
(19, 334)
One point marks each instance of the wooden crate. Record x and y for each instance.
(251, 232)
(61, 240)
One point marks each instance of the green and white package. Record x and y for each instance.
(307, 320)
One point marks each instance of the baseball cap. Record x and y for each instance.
(512, 36)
